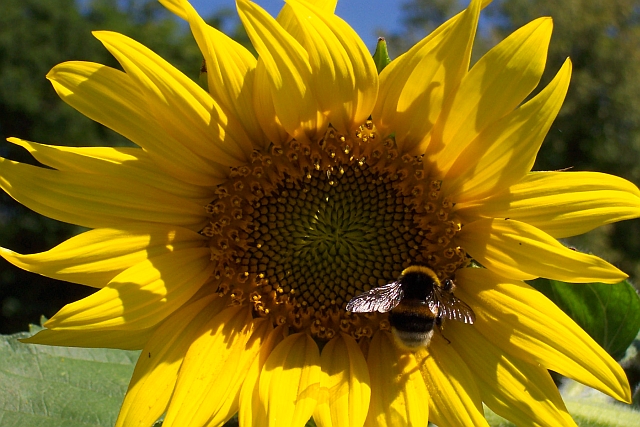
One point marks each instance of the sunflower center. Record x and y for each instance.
(329, 236)
(307, 226)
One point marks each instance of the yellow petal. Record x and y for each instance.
(230, 74)
(181, 107)
(524, 323)
(229, 400)
(496, 84)
(175, 6)
(286, 77)
(339, 60)
(344, 385)
(87, 200)
(504, 153)
(520, 251)
(455, 399)
(290, 381)
(97, 256)
(141, 296)
(399, 396)
(207, 389)
(416, 88)
(265, 108)
(109, 97)
(521, 392)
(129, 163)
(125, 340)
(156, 372)
(252, 412)
(562, 204)
(326, 5)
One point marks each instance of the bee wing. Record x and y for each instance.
(445, 304)
(381, 299)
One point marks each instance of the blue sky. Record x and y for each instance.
(365, 16)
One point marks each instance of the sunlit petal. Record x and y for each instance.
(230, 71)
(508, 314)
(132, 163)
(496, 84)
(520, 251)
(344, 385)
(175, 6)
(141, 296)
(126, 340)
(521, 392)
(455, 399)
(399, 396)
(288, 74)
(86, 200)
(504, 153)
(561, 204)
(89, 88)
(415, 89)
(207, 390)
(97, 256)
(290, 381)
(181, 107)
(156, 372)
(252, 411)
(339, 60)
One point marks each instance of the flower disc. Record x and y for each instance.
(308, 226)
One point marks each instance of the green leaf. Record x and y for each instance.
(610, 314)
(381, 55)
(49, 386)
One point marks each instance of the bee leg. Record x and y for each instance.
(440, 326)
(448, 340)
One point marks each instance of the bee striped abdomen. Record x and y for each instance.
(412, 324)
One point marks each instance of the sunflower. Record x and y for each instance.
(228, 243)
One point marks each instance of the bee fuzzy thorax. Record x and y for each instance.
(423, 270)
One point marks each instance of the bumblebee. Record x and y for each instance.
(417, 302)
